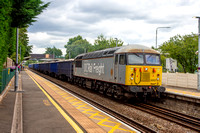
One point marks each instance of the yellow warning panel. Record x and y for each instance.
(106, 122)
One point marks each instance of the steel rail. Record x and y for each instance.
(176, 117)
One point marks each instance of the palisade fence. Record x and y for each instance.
(187, 80)
(5, 77)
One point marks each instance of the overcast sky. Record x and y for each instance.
(132, 21)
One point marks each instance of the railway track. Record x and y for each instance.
(136, 125)
(176, 117)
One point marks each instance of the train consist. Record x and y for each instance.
(127, 71)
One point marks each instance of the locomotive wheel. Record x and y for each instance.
(101, 89)
(84, 84)
(118, 93)
(109, 91)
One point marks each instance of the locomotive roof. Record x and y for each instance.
(116, 50)
(136, 48)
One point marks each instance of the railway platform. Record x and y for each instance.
(186, 94)
(43, 107)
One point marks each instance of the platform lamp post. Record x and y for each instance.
(157, 32)
(198, 87)
(16, 64)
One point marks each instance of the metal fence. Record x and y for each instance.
(5, 77)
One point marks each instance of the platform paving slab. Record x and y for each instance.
(39, 115)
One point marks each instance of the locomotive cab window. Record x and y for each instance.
(136, 58)
(122, 59)
(78, 63)
(152, 59)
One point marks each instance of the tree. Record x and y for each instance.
(76, 46)
(183, 49)
(5, 31)
(53, 51)
(112, 42)
(23, 42)
(102, 43)
(72, 40)
(25, 11)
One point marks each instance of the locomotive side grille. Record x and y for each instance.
(145, 77)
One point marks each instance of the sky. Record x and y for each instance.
(132, 21)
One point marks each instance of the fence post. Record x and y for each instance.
(187, 79)
(167, 78)
(176, 78)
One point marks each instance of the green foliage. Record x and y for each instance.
(183, 49)
(16, 13)
(5, 30)
(53, 51)
(102, 43)
(30, 62)
(13, 57)
(76, 46)
(72, 40)
(25, 11)
(23, 43)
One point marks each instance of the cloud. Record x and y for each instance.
(131, 21)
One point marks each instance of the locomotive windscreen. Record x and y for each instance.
(136, 59)
(152, 59)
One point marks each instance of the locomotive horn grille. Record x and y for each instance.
(145, 77)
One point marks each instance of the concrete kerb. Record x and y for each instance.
(17, 123)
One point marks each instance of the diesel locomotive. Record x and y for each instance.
(127, 71)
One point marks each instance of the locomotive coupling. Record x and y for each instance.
(161, 89)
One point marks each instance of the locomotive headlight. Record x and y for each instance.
(146, 69)
(131, 78)
(157, 78)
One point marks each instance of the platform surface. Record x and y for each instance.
(88, 117)
(40, 114)
(187, 92)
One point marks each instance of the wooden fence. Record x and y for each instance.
(187, 80)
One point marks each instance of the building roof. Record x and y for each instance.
(41, 56)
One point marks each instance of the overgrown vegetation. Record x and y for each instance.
(53, 51)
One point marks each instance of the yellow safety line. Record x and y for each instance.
(71, 122)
